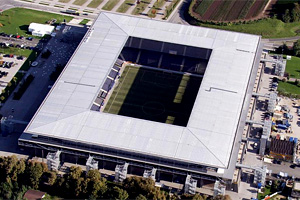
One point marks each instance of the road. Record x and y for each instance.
(178, 14)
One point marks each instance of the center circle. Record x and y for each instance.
(153, 108)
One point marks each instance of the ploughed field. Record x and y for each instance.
(224, 10)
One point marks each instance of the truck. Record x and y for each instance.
(72, 12)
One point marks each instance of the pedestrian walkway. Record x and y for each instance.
(149, 6)
(117, 6)
(88, 10)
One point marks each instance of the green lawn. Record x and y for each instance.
(268, 28)
(94, 3)
(125, 6)
(64, 1)
(293, 67)
(170, 8)
(156, 6)
(110, 4)
(139, 8)
(79, 2)
(84, 21)
(15, 51)
(266, 192)
(288, 87)
(154, 95)
(17, 20)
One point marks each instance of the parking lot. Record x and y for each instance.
(22, 110)
(9, 66)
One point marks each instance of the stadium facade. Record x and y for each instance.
(69, 119)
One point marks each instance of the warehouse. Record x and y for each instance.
(206, 146)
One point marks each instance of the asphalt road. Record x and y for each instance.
(178, 15)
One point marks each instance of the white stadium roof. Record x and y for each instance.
(209, 135)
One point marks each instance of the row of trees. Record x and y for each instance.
(17, 176)
(292, 14)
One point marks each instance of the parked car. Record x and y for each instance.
(29, 38)
(298, 111)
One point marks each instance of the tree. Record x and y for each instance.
(192, 197)
(138, 185)
(33, 173)
(144, 186)
(286, 17)
(296, 48)
(295, 14)
(221, 197)
(118, 193)
(140, 197)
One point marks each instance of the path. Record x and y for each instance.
(131, 8)
(148, 8)
(161, 12)
(117, 6)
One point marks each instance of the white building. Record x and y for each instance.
(207, 147)
(40, 29)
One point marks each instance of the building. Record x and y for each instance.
(282, 149)
(34, 195)
(206, 147)
(40, 29)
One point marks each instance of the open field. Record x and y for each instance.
(293, 67)
(215, 10)
(156, 6)
(110, 4)
(268, 28)
(154, 95)
(84, 21)
(64, 1)
(17, 20)
(79, 2)
(126, 5)
(94, 3)
(288, 88)
(15, 51)
(140, 7)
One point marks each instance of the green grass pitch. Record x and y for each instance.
(154, 95)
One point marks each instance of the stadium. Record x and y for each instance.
(151, 94)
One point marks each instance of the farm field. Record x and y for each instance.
(215, 10)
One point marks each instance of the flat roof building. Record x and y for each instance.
(40, 29)
(207, 145)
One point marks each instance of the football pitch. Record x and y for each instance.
(154, 95)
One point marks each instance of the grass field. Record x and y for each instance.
(110, 4)
(268, 28)
(79, 2)
(84, 21)
(17, 20)
(94, 3)
(156, 6)
(126, 5)
(154, 95)
(64, 1)
(15, 51)
(293, 67)
(288, 88)
(139, 8)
